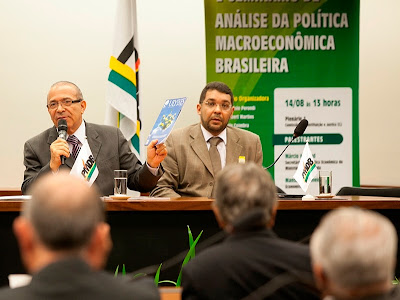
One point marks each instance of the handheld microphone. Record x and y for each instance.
(298, 131)
(62, 133)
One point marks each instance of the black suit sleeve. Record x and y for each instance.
(139, 176)
(189, 290)
(33, 167)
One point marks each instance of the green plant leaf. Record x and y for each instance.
(123, 270)
(157, 276)
(395, 281)
(190, 240)
(116, 271)
(139, 275)
(168, 281)
(187, 258)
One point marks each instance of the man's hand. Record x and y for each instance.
(156, 153)
(57, 148)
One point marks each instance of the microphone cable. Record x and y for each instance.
(252, 219)
(178, 258)
(298, 131)
(279, 281)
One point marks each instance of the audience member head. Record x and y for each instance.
(354, 253)
(65, 217)
(245, 193)
(65, 101)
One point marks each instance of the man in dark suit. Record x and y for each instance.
(64, 243)
(354, 254)
(252, 260)
(42, 153)
(191, 168)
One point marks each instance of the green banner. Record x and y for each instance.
(286, 61)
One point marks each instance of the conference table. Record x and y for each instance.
(149, 231)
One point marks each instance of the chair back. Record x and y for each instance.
(381, 192)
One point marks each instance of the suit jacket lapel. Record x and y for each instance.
(52, 136)
(233, 148)
(93, 140)
(199, 146)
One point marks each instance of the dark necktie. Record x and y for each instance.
(73, 140)
(214, 154)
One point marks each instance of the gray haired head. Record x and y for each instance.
(78, 91)
(356, 248)
(242, 188)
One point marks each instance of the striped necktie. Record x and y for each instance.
(76, 145)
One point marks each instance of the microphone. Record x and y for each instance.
(62, 133)
(298, 131)
(300, 128)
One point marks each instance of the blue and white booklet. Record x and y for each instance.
(166, 120)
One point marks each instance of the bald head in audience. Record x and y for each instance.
(354, 253)
(65, 217)
(64, 243)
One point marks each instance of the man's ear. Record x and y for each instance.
(320, 278)
(83, 106)
(217, 215)
(233, 109)
(271, 221)
(24, 234)
(99, 247)
(198, 108)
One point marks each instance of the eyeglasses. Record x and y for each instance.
(64, 103)
(212, 105)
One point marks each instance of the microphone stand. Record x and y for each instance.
(271, 165)
(298, 131)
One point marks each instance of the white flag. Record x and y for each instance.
(85, 166)
(306, 170)
(123, 88)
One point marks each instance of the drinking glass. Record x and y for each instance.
(325, 182)
(120, 182)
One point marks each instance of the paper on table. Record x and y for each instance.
(134, 198)
(148, 198)
(18, 280)
(18, 197)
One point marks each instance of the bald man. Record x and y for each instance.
(64, 243)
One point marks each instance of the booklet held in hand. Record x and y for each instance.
(166, 120)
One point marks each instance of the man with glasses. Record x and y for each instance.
(198, 152)
(110, 150)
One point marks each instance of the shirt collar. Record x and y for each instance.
(207, 135)
(80, 133)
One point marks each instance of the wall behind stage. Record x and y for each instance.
(44, 41)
